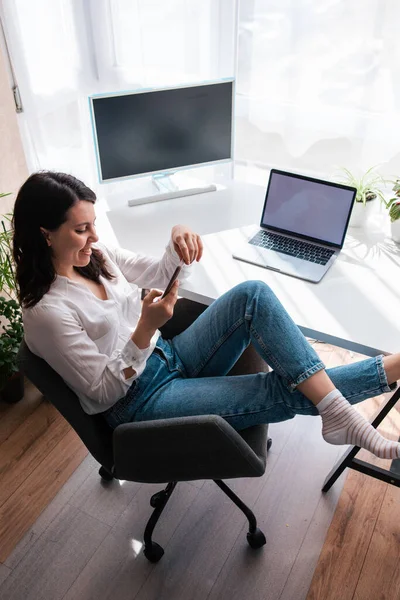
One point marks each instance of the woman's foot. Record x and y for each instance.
(342, 424)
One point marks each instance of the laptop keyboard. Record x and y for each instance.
(291, 246)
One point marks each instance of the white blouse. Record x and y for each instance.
(87, 340)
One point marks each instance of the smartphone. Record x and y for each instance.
(171, 281)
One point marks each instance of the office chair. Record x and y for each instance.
(165, 450)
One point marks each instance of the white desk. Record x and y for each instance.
(356, 303)
(354, 306)
(146, 228)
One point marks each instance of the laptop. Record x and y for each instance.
(303, 226)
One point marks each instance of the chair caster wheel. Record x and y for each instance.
(153, 553)
(156, 499)
(105, 475)
(256, 539)
(269, 443)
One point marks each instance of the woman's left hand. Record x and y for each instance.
(187, 244)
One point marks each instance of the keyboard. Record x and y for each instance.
(291, 246)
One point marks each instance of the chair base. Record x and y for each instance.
(154, 552)
(105, 474)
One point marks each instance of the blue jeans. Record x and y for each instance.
(185, 376)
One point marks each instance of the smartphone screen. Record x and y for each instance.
(171, 281)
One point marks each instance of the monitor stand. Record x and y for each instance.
(168, 188)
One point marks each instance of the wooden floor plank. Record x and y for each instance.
(118, 569)
(57, 558)
(12, 415)
(20, 511)
(348, 538)
(301, 574)
(380, 575)
(280, 434)
(51, 511)
(28, 446)
(104, 501)
(340, 563)
(4, 573)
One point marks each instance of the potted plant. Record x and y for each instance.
(393, 205)
(11, 380)
(369, 186)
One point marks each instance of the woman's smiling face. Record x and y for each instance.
(71, 243)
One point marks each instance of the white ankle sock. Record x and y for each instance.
(342, 424)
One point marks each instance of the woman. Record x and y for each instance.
(82, 316)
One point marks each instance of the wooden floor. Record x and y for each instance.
(38, 454)
(360, 558)
(86, 544)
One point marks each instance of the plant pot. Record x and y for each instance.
(360, 214)
(13, 391)
(395, 231)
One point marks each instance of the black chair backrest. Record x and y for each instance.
(92, 429)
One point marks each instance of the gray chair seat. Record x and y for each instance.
(187, 448)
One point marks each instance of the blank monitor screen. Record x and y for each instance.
(162, 130)
(307, 207)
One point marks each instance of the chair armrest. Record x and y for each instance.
(185, 449)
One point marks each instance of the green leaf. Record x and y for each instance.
(371, 182)
(8, 283)
(11, 337)
(394, 210)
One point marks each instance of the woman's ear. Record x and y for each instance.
(46, 235)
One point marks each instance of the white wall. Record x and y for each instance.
(13, 169)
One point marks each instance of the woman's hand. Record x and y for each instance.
(187, 244)
(155, 313)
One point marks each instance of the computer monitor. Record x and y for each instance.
(152, 131)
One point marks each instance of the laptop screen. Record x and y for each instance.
(308, 207)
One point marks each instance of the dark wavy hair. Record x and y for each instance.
(43, 201)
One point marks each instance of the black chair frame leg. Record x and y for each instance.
(105, 474)
(255, 536)
(153, 551)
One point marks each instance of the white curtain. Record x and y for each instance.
(65, 50)
(318, 81)
(319, 85)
